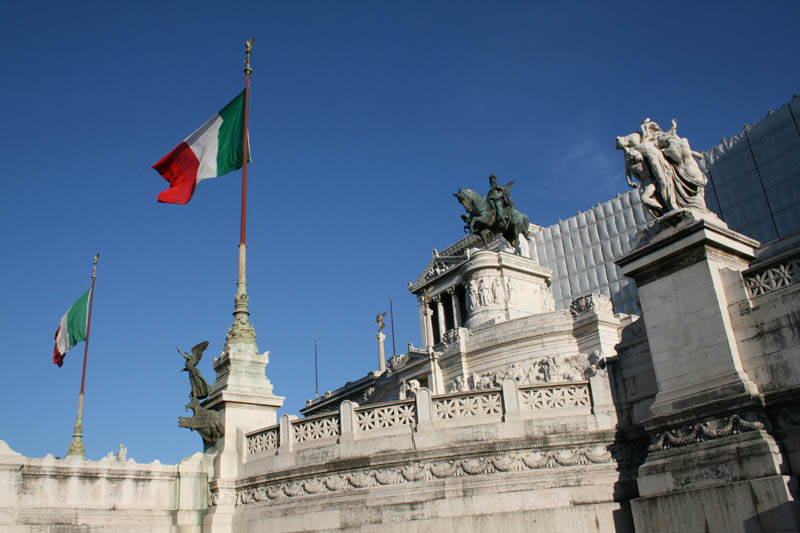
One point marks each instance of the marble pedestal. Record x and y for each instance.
(686, 275)
(712, 465)
(502, 286)
(243, 396)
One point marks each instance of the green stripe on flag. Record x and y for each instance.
(231, 137)
(76, 319)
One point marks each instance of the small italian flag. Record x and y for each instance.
(72, 328)
(213, 150)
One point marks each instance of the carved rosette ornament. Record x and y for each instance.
(242, 332)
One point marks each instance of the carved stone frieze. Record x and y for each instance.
(425, 470)
(222, 497)
(542, 370)
(708, 430)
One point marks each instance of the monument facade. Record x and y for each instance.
(518, 411)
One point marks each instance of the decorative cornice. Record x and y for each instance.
(425, 470)
(670, 265)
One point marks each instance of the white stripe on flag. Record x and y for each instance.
(204, 142)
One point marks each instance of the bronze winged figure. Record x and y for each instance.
(199, 385)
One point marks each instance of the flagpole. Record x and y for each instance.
(316, 371)
(242, 331)
(76, 447)
(391, 316)
(243, 236)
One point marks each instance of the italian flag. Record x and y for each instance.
(213, 150)
(72, 328)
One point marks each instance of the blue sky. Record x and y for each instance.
(365, 117)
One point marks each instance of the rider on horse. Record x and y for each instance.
(499, 199)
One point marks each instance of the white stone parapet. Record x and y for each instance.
(489, 406)
(112, 494)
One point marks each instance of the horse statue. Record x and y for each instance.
(482, 219)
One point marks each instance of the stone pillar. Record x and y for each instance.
(437, 383)
(510, 399)
(348, 425)
(428, 313)
(686, 276)
(381, 336)
(709, 440)
(423, 322)
(440, 316)
(424, 404)
(286, 434)
(243, 397)
(456, 307)
(596, 328)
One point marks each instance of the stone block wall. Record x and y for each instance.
(49, 494)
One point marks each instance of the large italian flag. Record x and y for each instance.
(213, 150)
(72, 328)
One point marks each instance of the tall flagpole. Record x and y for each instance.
(316, 371)
(76, 446)
(242, 281)
(391, 316)
(242, 331)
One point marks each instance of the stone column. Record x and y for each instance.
(440, 313)
(428, 313)
(381, 336)
(456, 307)
(423, 324)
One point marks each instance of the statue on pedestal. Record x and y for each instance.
(494, 214)
(205, 421)
(664, 164)
(198, 384)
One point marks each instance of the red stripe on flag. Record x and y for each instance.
(179, 168)
(58, 358)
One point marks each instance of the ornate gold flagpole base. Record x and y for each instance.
(76, 448)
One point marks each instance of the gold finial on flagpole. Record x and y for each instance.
(248, 50)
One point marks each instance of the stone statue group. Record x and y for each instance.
(663, 165)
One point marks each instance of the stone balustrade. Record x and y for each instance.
(354, 423)
(781, 272)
